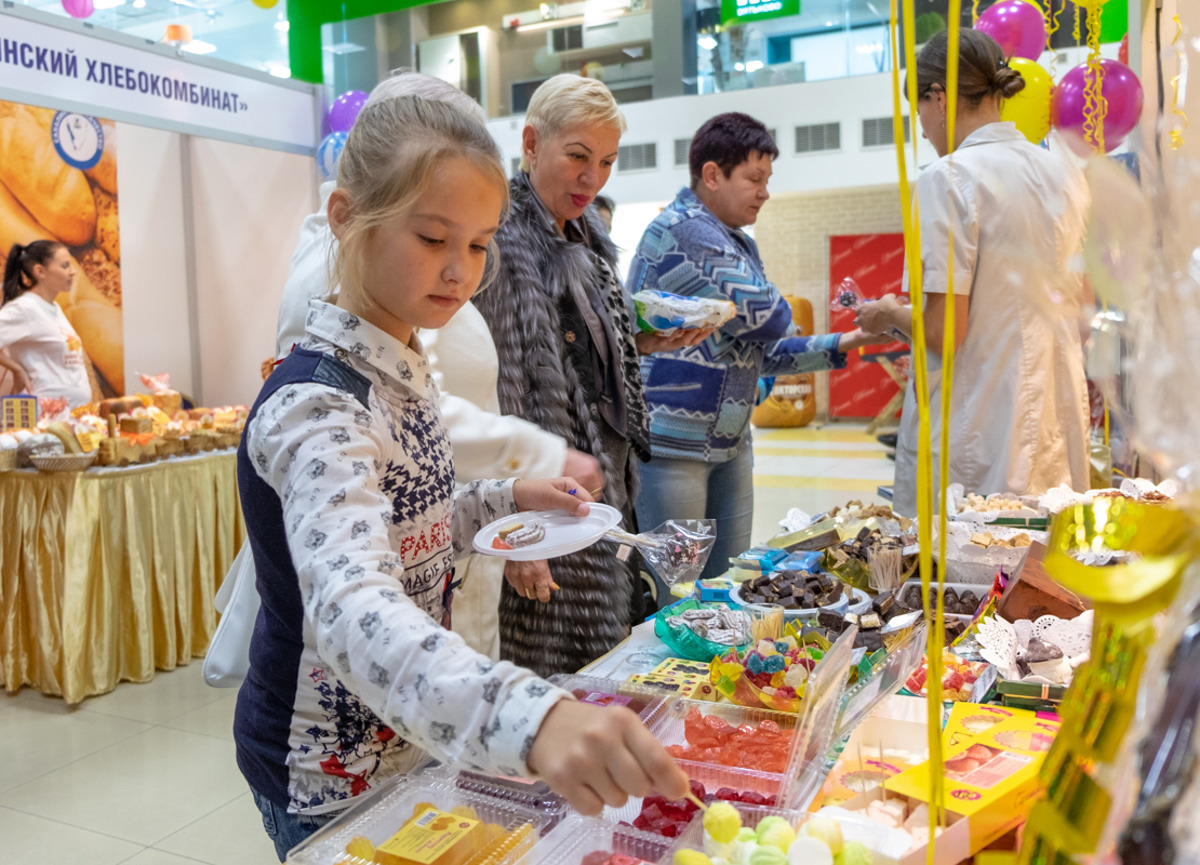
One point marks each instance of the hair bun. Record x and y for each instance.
(1008, 81)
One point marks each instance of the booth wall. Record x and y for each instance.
(247, 206)
(158, 336)
(793, 232)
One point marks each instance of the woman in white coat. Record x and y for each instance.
(1019, 418)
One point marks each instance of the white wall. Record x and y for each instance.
(849, 100)
(247, 207)
(153, 266)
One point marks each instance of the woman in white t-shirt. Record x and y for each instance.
(44, 354)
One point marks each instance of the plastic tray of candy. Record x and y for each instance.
(525, 793)
(510, 830)
(646, 702)
(692, 838)
(592, 841)
(717, 780)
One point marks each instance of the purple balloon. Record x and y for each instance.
(345, 109)
(1121, 89)
(1017, 26)
(79, 8)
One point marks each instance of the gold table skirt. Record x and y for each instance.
(109, 574)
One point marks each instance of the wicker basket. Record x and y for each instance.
(64, 463)
(8, 459)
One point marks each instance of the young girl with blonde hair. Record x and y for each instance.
(347, 483)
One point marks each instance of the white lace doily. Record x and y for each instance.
(1073, 636)
(1002, 643)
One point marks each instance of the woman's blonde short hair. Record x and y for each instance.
(566, 101)
(388, 164)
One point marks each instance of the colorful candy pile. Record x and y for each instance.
(772, 674)
(958, 677)
(711, 739)
(664, 817)
(774, 841)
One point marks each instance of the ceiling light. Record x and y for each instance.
(708, 43)
(343, 48)
(283, 25)
(198, 46)
(139, 4)
(740, 67)
(754, 66)
(279, 71)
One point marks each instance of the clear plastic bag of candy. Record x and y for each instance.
(847, 296)
(678, 550)
(665, 314)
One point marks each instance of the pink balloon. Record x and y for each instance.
(1121, 89)
(1017, 26)
(79, 8)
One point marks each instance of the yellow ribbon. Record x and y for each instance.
(1177, 134)
(1100, 703)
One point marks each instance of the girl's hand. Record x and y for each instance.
(556, 494)
(601, 755)
(652, 343)
(531, 579)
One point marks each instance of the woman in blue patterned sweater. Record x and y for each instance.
(699, 398)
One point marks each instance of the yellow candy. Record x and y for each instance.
(691, 857)
(721, 822)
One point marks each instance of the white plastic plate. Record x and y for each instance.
(565, 533)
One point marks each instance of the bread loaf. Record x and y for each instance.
(104, 172)
(57, 195)
(119, 406)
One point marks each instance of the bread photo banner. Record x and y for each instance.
(58, 181)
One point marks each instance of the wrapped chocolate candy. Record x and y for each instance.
(678, 550)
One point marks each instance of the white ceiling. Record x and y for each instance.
(242, 32)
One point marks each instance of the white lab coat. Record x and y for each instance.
(1019, 415)
(486, 443)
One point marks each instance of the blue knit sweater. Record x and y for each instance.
(700, 398)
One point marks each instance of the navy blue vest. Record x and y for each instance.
(262, 721)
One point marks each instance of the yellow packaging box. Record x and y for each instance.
(968, 720)
(679, 666)
(688, 686)
(991, 781)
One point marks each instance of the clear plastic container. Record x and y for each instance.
(693, 837)
(533, 795)
(382, 816)
(578, 837)
(647, 703)
(883, 681)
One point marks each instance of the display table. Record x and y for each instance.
(109, 574)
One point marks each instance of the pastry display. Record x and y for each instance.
(985, 540)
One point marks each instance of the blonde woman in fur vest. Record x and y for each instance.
(569, 360)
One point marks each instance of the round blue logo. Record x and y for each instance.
(78, 138)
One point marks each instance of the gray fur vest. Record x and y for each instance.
(539, 382)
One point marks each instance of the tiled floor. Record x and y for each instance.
(145, 775)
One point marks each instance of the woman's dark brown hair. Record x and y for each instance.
(982, 67)
(18, 269)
